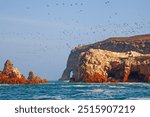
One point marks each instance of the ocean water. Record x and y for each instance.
(75, 91)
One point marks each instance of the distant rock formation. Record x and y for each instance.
(11, 75)
(140, 43)
(96, 65)
(31, 75)
(8, 68)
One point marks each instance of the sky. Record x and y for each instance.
(38, 35)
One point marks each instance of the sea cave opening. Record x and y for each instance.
(115, 74)
(71, 78)
(134, 76)
(111, 74)
(71, 74)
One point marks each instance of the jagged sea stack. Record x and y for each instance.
(12, 75)
(8, 67)
(31, 75)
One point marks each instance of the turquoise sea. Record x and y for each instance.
(75, 91)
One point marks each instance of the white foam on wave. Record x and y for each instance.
(66, 86)
(134, 83)
(6, 84)
(139, 98)
(40, 97)
(116, 87)
(78, 85)
(96, 90)
(46, 97)
(111, 92)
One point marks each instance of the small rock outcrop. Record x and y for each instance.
(96, 65)
(140, 43)
(31, 75)
(8, 68)
(12, 75)
(32, 79)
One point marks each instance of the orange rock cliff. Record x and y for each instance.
(11, 75)
(121, 59)
(98, 65)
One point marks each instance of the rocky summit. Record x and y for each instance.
(12, 75)
(120, 59)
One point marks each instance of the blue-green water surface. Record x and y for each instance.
(75, 91)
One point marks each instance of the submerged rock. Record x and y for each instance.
(11, 75)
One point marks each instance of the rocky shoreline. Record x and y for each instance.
(123, 59)
(12, 75)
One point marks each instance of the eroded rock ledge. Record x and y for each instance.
(12, 75)
(96, 65)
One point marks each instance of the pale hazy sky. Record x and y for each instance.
(39, 34)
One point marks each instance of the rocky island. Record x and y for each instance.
(120, 59)
(11, 75)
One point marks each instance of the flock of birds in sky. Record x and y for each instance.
(124, 28)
